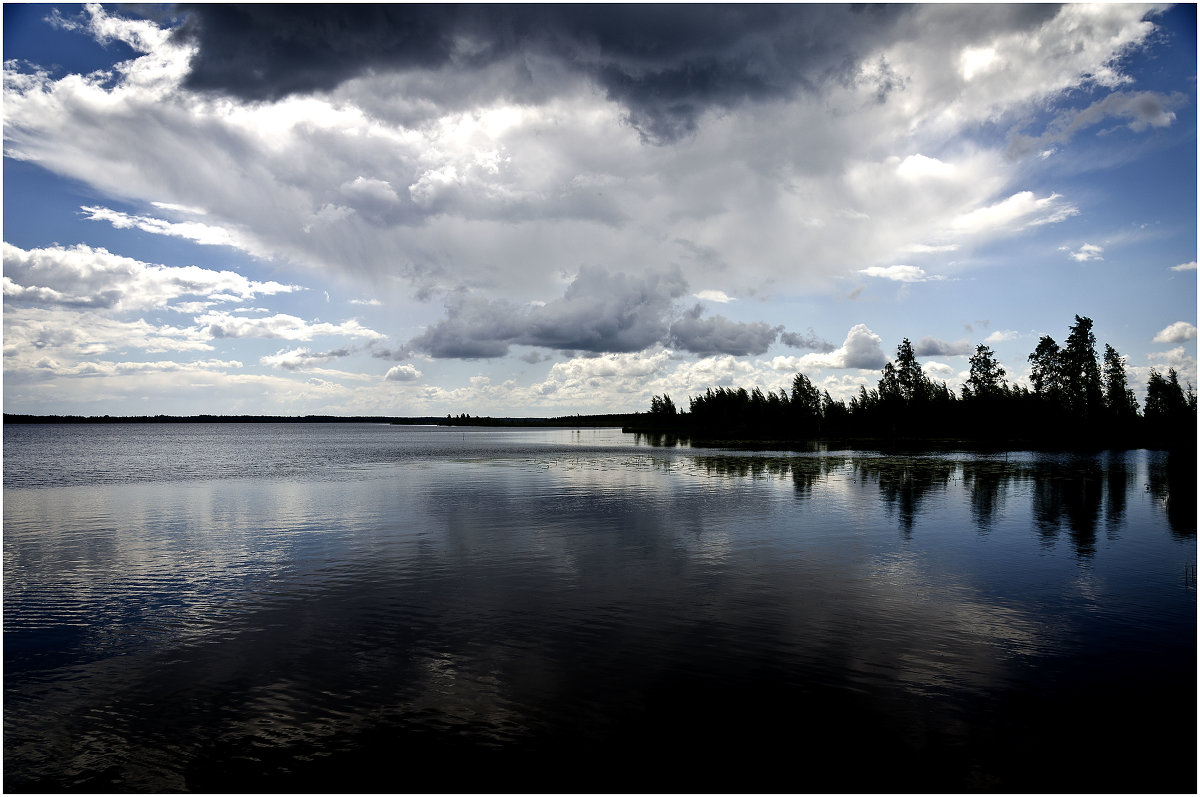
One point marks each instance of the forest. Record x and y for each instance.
(1078, 400)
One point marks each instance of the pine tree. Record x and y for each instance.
(1118, 398)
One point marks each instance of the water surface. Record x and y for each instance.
(348, 607)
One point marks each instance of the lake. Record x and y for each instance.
(368, 607)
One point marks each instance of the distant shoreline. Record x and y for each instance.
(635, 423)
(611, 420)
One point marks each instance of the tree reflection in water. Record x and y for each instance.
(988, 483)
(1172, 481)
(1117, 481)
(905, 483)
(1076, 493)
(1071, 492)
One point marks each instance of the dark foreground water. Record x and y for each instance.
(387, 608)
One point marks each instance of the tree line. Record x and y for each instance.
(1078, 398)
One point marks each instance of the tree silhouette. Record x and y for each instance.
(1048, 371)
(914, 386)
(1170, 413)
(1081, 372)
(662, 406)
(805, 405)
(1074, 403)
(1119, 401)
(987, 376)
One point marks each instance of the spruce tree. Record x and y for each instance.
(1118, 398)
(1081, 371)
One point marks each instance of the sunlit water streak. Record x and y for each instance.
(369, 607)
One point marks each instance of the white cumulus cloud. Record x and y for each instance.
(1176, 333)
(86, 277)
(1002, 335)
(402, 373)
(862, 349)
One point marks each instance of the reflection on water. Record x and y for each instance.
(567, 612)
(1172, 481)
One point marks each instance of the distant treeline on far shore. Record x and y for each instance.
(1077, 401)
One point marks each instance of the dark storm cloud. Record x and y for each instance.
(268, 51)
(665, 64)
(809, 341)
(719, 335)
(474, 328)
(395, 355)
(599, 312)
(932, 347)
(606, 312)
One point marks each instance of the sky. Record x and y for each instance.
(544, 210)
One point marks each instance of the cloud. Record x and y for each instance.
(199, 387)
(1017, 212)
(809, 341)
(279, 325)
(1143, 109)
(603, 312)
(84, 334)
(630, 365)
(1084, 253)
(99, 368)
(86, 277)
(719, 335)
(668, 70)
(664, 68)
(1002, 335)
(861, 349)
(939, 371)
(191, 230)
(599, 312)
(931, 347)
(382, 353)
(302, 358)
(440, 161)
(1189, 266)
(899, 273)
(475, 154)
(1176, 333)
(402, 373)
(139, 35)
(1177, 358)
